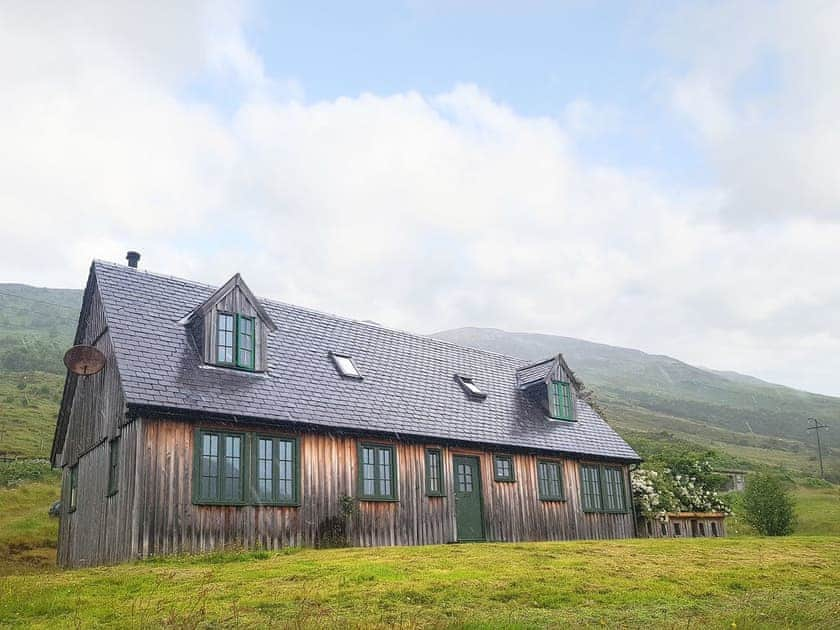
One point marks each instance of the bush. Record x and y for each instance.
(767, 506)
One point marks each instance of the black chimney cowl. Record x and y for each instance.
(133, 258)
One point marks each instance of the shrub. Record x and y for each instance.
(767, 506)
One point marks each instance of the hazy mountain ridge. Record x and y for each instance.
(625, 380)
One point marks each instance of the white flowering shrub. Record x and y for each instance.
(690, 489)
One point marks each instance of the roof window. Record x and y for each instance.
(469, 386)
(345, 366)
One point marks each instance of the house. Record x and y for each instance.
(736, 479)
(686, 525)
(220, 419)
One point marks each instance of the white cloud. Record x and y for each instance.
(422, 211)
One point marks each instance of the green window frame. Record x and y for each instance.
(434, 473)
(220, 467)
(503, 468)
(377, 472)
(550, 480)
(73, 492)
(560, 404)
(113, 466)
(236, 337)
(602, 488)
(275, 470)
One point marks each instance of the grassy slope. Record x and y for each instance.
(641, 392)
(27, 534)
(36, 326)
(673, 583)
(28, 409)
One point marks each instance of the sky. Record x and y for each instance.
(656, 175)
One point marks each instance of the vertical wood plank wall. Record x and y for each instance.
(168, 522)
(96, 532)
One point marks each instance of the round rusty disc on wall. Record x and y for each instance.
(84, 360)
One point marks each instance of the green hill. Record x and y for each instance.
(642, 392)
(36, 327)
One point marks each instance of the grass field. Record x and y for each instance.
(748, 581)
(720, 583)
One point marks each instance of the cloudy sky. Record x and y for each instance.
(660, 178)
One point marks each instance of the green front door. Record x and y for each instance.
(468, 518)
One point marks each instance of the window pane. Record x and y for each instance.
(265, 469)
(231, 471)
(385, 472)
(209, 468)
(591, 488)
(346, 366)
(224, 338)
(433, 467)
(464, 478)
(245, 356)
(285, 478)
(368, 471)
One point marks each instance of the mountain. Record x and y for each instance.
(36, 328)
(655, 393)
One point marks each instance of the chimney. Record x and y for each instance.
(133, 258)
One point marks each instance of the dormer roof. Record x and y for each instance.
(553, 368)
(235, 282)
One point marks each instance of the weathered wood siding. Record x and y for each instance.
(102, 529)
(169, 522)
(689, 527)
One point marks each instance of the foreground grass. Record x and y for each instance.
(664, 583)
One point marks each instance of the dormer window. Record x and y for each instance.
(469, 386)
(345, 366)
(230, 328)
(235, 340)
(560, 400)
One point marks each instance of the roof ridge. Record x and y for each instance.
(442, 342)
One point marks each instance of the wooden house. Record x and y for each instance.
(224, 420)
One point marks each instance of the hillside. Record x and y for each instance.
(36, 327)
(654, 393)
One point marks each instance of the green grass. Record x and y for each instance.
(660, 583)
(27, 534)
(28, 408)
(818, 510)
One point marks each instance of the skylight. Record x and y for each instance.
(470, 387)
(345, 366)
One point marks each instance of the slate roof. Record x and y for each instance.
(408, 387)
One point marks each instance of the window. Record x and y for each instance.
(602, 488)
(377, 472)
(220, 471)
(503, 468)
(590, 481)
(613, 489)
(245, 342)
(345, 366)
(224, 338)
(276, 470)
(113, 466)
(235, 340)
(469, 386)
(560, 400)
(434, 473)
(550, 481)
(245, 468)
(74, 486)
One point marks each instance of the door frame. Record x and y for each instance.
(477, 460)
